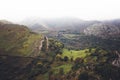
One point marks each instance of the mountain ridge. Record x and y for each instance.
(73, 24)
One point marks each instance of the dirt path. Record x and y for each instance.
(39, 45)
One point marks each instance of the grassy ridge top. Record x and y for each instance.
(17, 40)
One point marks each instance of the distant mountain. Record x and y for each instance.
(103, 30)
(5, 22)
(115, 22)
(57, 24)
(106, 29)
(35, 24)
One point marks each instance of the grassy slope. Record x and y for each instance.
(17, 40)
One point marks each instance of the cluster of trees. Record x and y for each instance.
(82, 41)
(56, 46)
(96, 66)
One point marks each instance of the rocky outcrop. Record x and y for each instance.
(116, 62)
(103, 30)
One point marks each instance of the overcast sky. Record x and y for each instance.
(17, 10)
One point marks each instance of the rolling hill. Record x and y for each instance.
(17, 40)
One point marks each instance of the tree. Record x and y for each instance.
(71, 59)
(65, 58)
(83, 76)
(61, 71)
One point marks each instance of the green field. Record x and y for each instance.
(76, 53)
(70, 54)
(70, 36)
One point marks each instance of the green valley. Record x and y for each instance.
(69, 54)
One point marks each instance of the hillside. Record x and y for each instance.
(17, 40)
(103, 30)
(73, 50)
(24, 55)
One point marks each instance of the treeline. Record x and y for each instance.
(82, 41)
